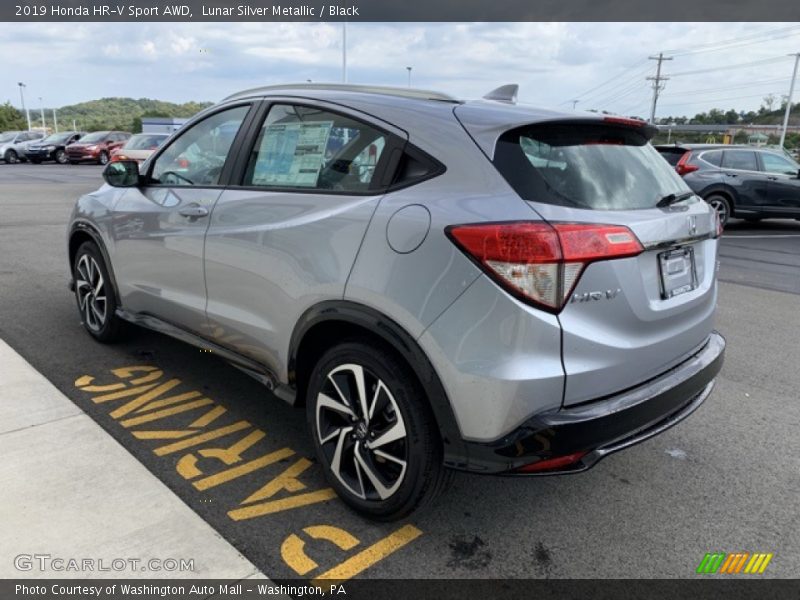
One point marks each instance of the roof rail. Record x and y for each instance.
(345, 87)
(505, 93)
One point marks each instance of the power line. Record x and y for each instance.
(763, 61)
(694, 92)
(770, 33)
(634, 78)
(707, 100)
(614, 78)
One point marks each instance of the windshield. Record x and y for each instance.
(145, 141)
(97, 136)
(592, 166)
(57, 138)
(7, 137)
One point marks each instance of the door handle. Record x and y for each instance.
(193, 211)
(731, 174)
(772, 178)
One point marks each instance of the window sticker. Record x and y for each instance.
(292, 154)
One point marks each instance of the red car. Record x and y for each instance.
(96, 147)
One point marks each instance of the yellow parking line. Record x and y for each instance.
(369, 556)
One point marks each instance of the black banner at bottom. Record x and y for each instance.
(728, 588)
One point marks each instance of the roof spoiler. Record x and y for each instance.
(505, 93)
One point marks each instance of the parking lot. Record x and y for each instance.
(727, 479)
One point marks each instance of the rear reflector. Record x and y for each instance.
(625, 121)
(683, 167)
(538, 262)
(552, 464)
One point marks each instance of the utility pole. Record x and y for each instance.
(574, 103)
(74, 127)
(657, 86)
(55, 121)
(409, 76)
(344, 51)
(22, 87)
(789, 99)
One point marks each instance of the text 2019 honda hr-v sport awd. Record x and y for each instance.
(479, 285)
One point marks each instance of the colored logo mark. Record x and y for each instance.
(737, 562)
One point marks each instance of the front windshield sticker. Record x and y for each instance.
(291, 154)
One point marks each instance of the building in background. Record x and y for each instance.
(161, 124)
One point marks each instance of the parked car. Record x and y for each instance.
(461, 285)
(52, 147)
(96, 147)
(14, 143)
(739, 181)
(139, 147)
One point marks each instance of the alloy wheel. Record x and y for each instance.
(721, 207)
(91, 292)
(361, 432)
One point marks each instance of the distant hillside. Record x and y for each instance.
(120, 113)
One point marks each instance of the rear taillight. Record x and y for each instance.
(683, 167)
(541, 262)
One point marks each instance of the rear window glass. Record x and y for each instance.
(589, 166)
(714, 157)
(743, 160)
(672, 155)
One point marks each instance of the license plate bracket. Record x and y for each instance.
(678, 272)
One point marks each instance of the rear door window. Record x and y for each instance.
(672, 155)
(740, 160)
(591, 166)
(308, 148)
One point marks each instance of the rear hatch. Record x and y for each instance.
(624, 319)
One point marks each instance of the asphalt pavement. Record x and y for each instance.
(727, 479)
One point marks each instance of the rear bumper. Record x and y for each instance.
(598, 428)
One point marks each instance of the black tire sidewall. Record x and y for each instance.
(11, 157)
(110, 329)
(424, 447)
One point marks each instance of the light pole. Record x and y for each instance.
(409, 76)
(55, 121)
(789, 99)
(41, 112)
(344, 51)
(24, 109)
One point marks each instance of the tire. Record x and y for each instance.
(93, 292)
(722, 205)
(11, 157)
(60, 157)
(403, 474)
(102, 158)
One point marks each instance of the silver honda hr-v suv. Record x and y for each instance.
(481, 286)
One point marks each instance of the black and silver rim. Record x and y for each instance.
(361, 432)
(721, 207)
(61, 157)
(11, 157)
(103, 158)
(91, 292)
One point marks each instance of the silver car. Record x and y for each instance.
(14, 143)
(480, 286)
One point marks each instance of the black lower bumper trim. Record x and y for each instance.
(605, 426)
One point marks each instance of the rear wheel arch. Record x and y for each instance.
(328, 323)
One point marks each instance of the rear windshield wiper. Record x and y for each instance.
(670, 199)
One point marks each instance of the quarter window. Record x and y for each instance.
(777, 164)
(198, 155)
(713, 157)
(742, 160)
(308, 148)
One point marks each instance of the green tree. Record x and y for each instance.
(11, 119)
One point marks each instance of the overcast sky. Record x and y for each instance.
(554, 63)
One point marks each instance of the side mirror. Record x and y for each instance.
(123, 173)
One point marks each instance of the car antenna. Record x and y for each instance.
(505, 93)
